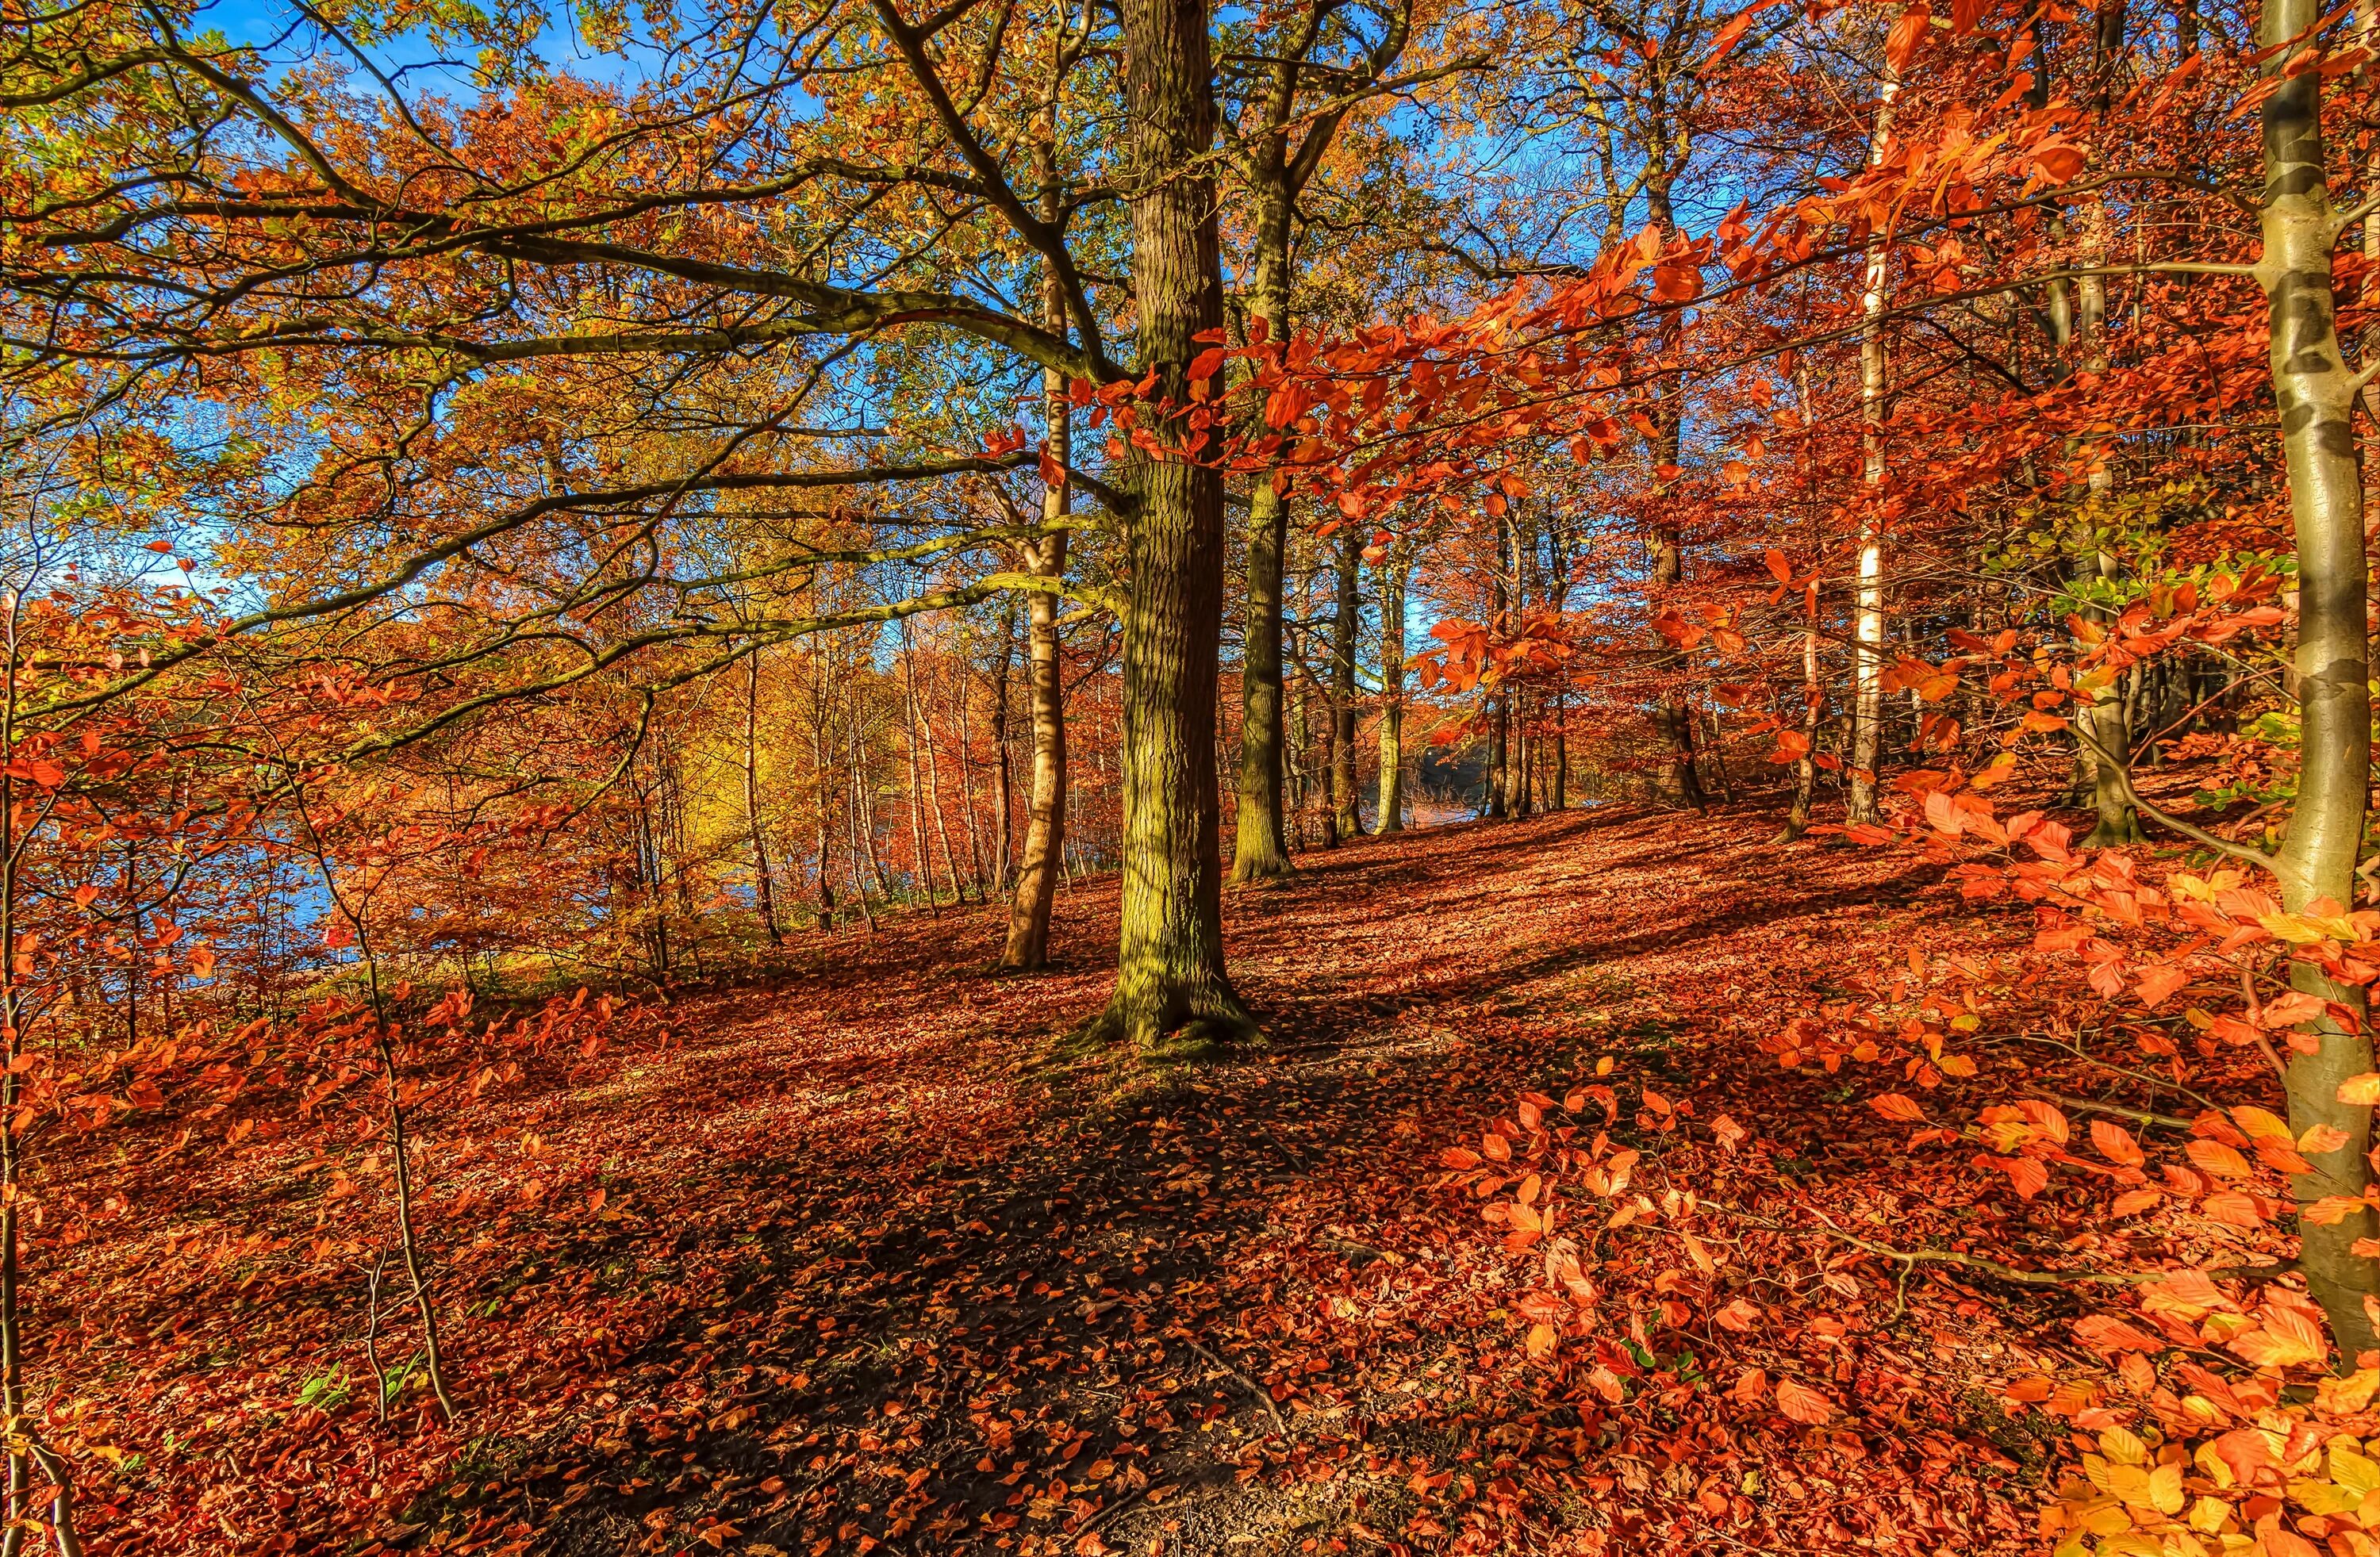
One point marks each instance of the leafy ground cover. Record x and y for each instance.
(850, 1262)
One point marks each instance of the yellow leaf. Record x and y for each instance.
(2292, 928)
(2361, 1092)
(2259, 1123)
(2165, 1489)
(2131, 1483)
(2351, 1470)
(2321, 1497)
(2110, 1520)
(2123, 1446)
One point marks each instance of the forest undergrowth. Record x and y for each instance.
(847, 1261)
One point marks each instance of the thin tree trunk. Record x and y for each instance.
(920, 850)
(2103, 713)
(859, 828)
(824, 773)
(1392, 696)
(1347, 622)
(764, 892)
(1867, 621)
(1261, 843)
(1045, 834)
(933, 774)
(975, 871)
(1814, 687)
(1004, 793)
(1500, 705)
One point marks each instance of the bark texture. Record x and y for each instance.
(1867, 611)
(1172, 991)
(2313, 393)
(1044, 859)
(1346, 810)
(1392, 696)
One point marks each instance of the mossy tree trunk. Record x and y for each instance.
(1172, 991)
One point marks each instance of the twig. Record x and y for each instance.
(62, 1505)
(371, 1336)
(1296, 1158)
(2280, 865)
(1911, 1258)
(1341, 1244)
(2257, 1021)
(2138, 1115)
(2075, 1051)
(1255, 1389)
(1113, 1509)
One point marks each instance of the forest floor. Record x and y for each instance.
(849, 1262)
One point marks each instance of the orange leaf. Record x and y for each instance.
(1804, 1404)
(1893, 1106)
(2157, 984)
(1901, 45)
(2218, 1159)
(2106, 1334)
(2286, 1339)
(2116, 1144)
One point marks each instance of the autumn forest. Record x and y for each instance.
(1139, 777)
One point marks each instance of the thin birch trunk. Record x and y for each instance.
(1867, 621)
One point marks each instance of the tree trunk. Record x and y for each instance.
(765, 895)
(2315, 398)
(1347, 812)
(860, 829)
(1499, 703)
(1392, 696)
(1172, 991)
(1867, 629)
(1003, 790)
(1814, 688)
(920, 851)
(925, 717)
(975, 871)
(1260, 848)
(2103, 715)
(1045, 835)
(1518, 746)
(821, 769)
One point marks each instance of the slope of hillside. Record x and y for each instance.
(852, 1262)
